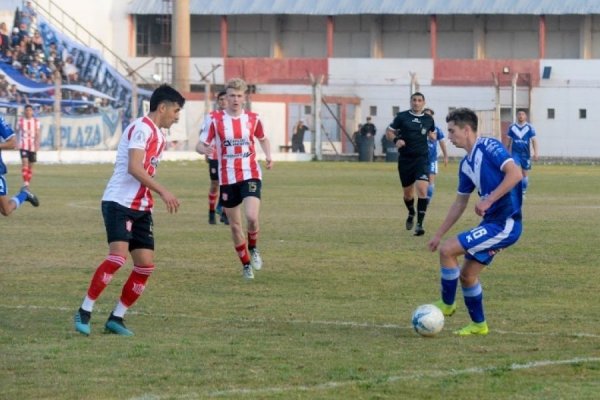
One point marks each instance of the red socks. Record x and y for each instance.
(135, 285)
(104, 274)
(252, 239)
(27, 174)
(212, 200)
(243, 253)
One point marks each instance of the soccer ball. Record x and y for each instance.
(428, 320)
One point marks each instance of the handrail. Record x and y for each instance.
(118, 61)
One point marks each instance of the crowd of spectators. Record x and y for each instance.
(24, 49)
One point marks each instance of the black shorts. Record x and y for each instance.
(233, 195)
(29, 155)
(213, 169)
(126, 225)
(413, 169)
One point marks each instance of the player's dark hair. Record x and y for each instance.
(521, 109)
(462, 117)
(28, 106)
(418, 94)
(165, 93)
(428, 110)
(221, 94)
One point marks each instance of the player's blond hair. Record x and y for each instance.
(237, 84)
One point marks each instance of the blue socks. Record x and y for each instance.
(474, 302)
(449, 281)
(19, 198)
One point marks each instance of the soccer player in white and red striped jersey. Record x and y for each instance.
(127, 209)
(29, 142)
(214, 204)
(235, 132)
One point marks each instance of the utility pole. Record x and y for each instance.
(317, 93)
(180, 50)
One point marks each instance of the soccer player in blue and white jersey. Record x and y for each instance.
(521, 140)
(489, 169)
(432, 141)
(8, 140)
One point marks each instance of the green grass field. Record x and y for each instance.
(328, 317)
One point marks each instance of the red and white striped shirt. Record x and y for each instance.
(29, 129)
(205, 127)
(122, 187)
(235, 145)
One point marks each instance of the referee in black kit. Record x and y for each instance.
(409, 131)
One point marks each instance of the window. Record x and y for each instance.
(582, 113)
(551, 113)
(373, 111)
(307, 110)
(395, 110)
(153, 35)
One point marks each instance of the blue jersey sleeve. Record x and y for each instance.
(5, 130)
(439, 133)
(465, 184)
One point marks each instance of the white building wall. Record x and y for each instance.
(566, 135)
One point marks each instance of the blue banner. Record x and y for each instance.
(93, 67)
(91, 132)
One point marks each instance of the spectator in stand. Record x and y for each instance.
(70, 71)
(38, 41)
(29, 46)
(21, 98)
(15, 38)
(46, 71)
(53, 60)
(12, 93)
(23, 31)
(21, 57)
(27, 15)
(34, 70)
(50, 52)
(4, 39)
(7, 57)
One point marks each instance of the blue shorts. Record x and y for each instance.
(523, 162)
(483, 242)
(3, 187)
(433, 168)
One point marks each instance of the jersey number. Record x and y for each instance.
(476, 234)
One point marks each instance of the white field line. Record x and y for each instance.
(336, 384)
(406, 377)
(351, 324)
(410, 376)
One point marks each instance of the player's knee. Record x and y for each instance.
(446, 249)
(467, 280)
